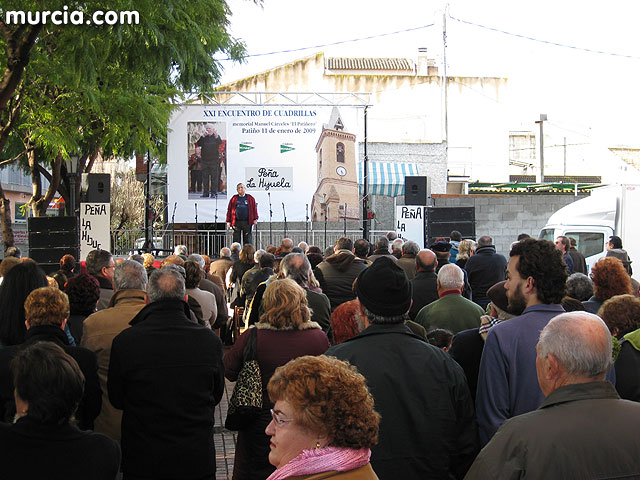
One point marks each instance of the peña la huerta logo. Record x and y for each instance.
(286, 147)
(246, 147)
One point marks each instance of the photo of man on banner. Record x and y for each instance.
(207, 159)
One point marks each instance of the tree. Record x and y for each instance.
(109, 90)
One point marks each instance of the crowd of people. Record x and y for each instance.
(377, 360)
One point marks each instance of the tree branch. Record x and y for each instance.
(17, 60)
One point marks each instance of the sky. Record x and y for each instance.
(584, 94)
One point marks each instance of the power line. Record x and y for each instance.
(341, 42)
(547, 42)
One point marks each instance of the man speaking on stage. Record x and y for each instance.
(242, 214)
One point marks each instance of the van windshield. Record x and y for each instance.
(546, 234)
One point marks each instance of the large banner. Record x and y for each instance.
(301, 159)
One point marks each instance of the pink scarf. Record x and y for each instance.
(320, 460)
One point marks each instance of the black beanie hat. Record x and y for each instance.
(384, 288)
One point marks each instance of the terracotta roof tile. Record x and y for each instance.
(369, 64)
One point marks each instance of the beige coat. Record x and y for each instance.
(98, 332)
(362, 473)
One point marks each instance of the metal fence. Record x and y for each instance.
(209, 242)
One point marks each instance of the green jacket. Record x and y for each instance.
(452, 312)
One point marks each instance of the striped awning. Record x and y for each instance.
(386, 178)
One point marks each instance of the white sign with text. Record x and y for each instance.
(410, 223)
(95, 227)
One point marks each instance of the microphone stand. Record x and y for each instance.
(270, 220)
(255, 240)
(215, 227)
(285, 220)
(197, 236)
(173, 226)
(306, 225)
(345, 219)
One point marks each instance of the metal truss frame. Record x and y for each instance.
(310, 99)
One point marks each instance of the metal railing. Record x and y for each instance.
(209, 242)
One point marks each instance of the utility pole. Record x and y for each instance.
(564, 173)
(543, 118)
(446, 82)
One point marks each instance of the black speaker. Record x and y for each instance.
(98, 188)
(50, 238)
(415, 190)
(441, 221)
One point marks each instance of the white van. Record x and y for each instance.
(610, 210)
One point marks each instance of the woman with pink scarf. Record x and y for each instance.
(323, 422)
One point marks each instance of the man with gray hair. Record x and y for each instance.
(407, 261)
(396, 247)
(582, 418)
(100, 328)
(180, 250)
(579, 286)
(451, 311)
(166, 374)
(428, 428)
(221, 266)
(381, 249)
(235, 251)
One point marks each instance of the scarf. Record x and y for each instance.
(320, 460)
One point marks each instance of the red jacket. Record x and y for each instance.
(231, 211)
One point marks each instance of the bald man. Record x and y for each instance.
(425, 283)
(582, 429)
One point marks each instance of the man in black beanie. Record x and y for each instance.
(428, 428)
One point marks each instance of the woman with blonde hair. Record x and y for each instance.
(465, 251)
(284, 332)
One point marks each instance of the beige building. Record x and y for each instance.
(408, 116)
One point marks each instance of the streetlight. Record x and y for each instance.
(543, 118)
(72, 172)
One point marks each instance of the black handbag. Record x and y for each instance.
(245, 403)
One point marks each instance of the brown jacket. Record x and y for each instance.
(99, 330)
(362, 473)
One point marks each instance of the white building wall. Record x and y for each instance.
(409, 108)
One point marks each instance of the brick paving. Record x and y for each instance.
(225, 440)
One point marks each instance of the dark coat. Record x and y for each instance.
(579, 431)
(466, 349)
(91, 402)
(56, 452)
(485, 268)
(425, 291)
(250, 283)
(628, 372)
(579, 262)
(166, 374)
(336, 275)
(592, 305)
(428, 427)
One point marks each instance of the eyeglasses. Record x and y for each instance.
(280, 420)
